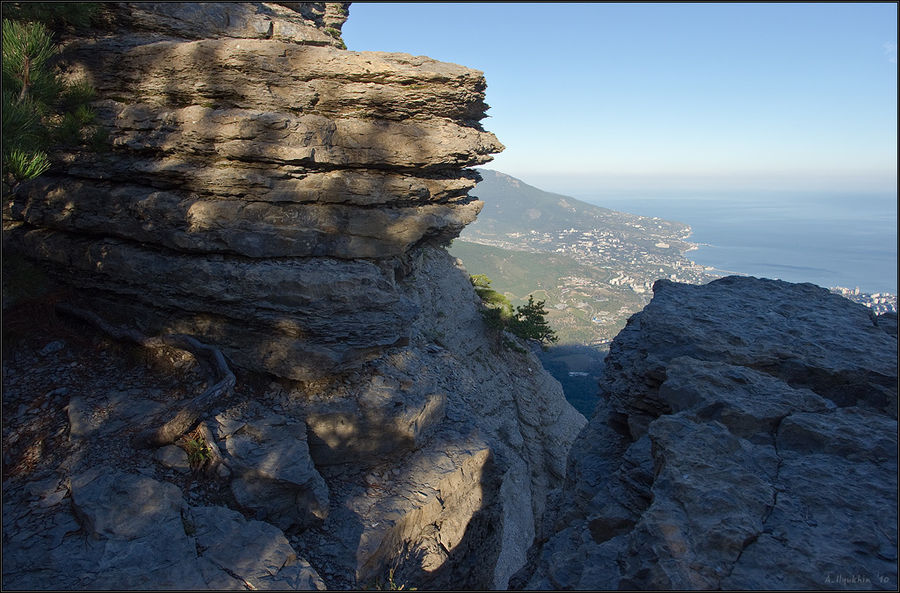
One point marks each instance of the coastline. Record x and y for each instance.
(711, 271)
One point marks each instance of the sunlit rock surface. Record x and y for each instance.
(243, 141)
(747, 439)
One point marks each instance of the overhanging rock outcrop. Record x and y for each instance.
(746, 439)
(250, 155)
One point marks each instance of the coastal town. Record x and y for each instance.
(879, 302)
(616, 274)
(634, 259)
(604, 275)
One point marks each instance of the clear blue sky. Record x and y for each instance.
(669, 96)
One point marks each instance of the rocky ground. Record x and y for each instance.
(79, 499)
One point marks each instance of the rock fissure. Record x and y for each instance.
(236, 577)
(775, 489)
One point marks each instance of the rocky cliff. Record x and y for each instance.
(746, 439)
(285, 201)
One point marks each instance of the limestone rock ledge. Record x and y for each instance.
(249, 154)
(298, 22)
(747, 439)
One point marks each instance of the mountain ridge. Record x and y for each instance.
(512, 205)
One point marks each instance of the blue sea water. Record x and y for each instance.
(828, 239)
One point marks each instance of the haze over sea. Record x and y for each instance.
(827, 238)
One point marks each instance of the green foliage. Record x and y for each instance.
(20, 121)
(98, 141)
(528, 322)
(480, 281)
(391, 584)
(494, 318)
(197, 450)
(516, 273)
(498, 310)
(77, 94)
(39, 108)
(337, 35)
(490, 297)
(71, 126)
(531, 323)
(27, 49)
(26, 165)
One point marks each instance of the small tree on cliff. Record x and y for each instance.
(530, 322)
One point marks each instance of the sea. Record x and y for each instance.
(829, 239)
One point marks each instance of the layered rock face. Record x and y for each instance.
(285, 200)
(747, 439)
(262, 185)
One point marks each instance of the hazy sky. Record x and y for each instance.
(596, 96)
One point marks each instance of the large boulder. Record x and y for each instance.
(140, 533)
(275, 476)
(747, 439)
